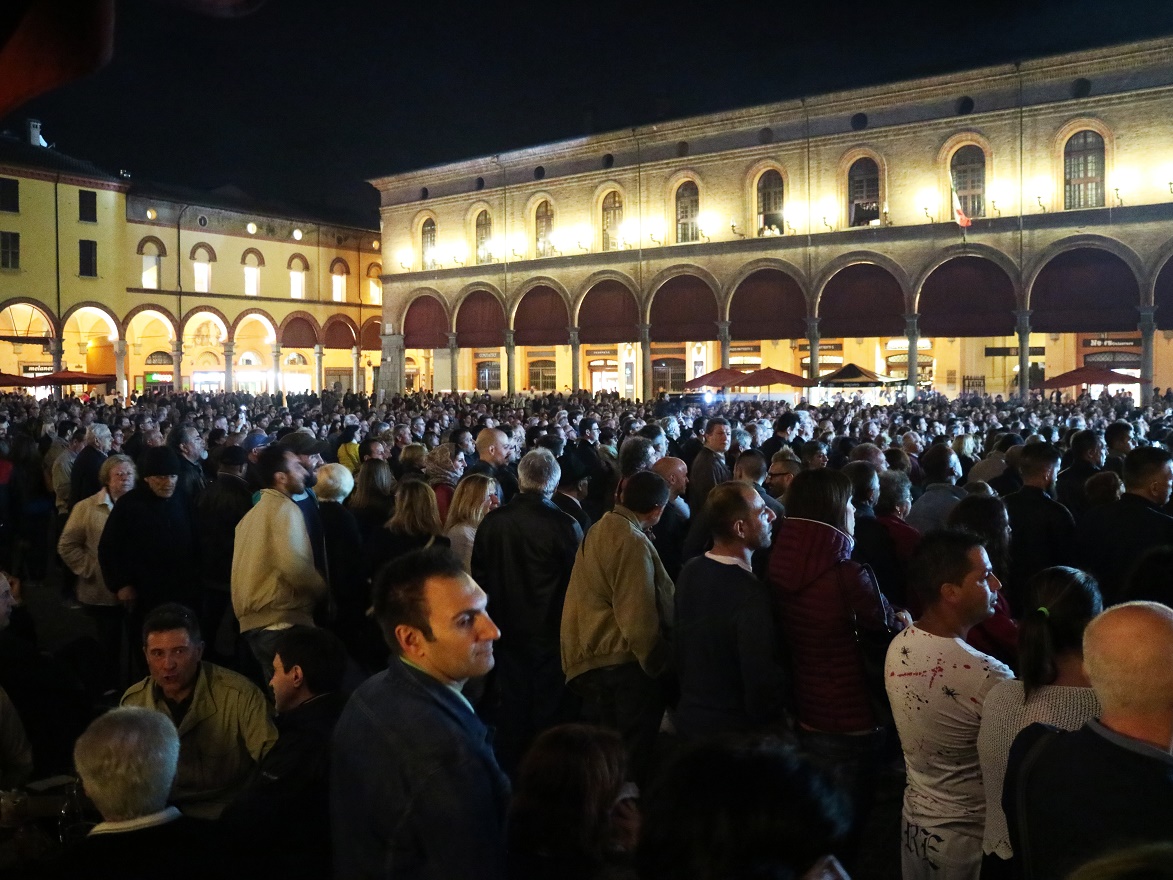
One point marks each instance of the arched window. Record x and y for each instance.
(296, 359)
(159, 359)
(967, 171)
(1083, 171)
(543, 376)
(544, 230)
(863, 192)
(249, 359)
(612, 220)
(152, 265)
(688, 206)
(252, 275)
(201, 266)
(770, 192)
(428, 244)
(484, 238)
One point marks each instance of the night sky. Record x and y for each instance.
(306, 99)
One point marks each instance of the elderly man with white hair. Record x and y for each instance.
(127, 761)
(522, 558)
(1071, 797)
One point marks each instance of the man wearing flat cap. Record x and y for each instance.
(148, 551)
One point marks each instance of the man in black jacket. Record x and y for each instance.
(1088, 453)
(219, 509)
(1041, 528)
(522, 558)
(1111, 538)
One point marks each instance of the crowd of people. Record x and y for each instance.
(446, 635)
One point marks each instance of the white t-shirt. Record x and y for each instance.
(1005, 714)
(937, 687)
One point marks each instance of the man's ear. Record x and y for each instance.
(410, 639)
(297, 675)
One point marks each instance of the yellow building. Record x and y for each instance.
(171, 289)
(637, 259)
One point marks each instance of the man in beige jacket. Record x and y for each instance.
(275, 585)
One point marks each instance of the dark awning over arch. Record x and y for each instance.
(371, 337)
(1087, 290)
(426, 324)
(967, 296)
(480, 322)
(609, 313)
(767, 305)
(541, 318)
(861, 301)
(338, 335)
(298, 333)
(684, 310)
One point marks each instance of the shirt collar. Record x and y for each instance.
(728, 560)
(452, 687)
(170, 814)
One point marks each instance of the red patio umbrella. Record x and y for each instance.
(1092, 376)
(767, 376)
(74, 377)
(722, 378)
(11, 380)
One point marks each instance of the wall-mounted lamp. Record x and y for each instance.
(1119, 201)
(554, 250)
(930, 216)
(657, 241)
(788, 226)
(701, 233)
(828, 225)
(516, 254)
(733, 229)
(406, 267)
(1171, 186)
(581, 247)
(994, 206)
(885, 219)
(457, 262)
(1042, 207)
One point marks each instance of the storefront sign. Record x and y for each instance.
(1127, 342)
(823, 346)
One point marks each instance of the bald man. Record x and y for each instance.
(494, 450)
(672, 528)
(1070, 797)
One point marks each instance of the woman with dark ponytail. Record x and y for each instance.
(1052, 688)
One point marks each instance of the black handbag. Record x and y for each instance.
(873, 652)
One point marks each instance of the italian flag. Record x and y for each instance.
(958, 214)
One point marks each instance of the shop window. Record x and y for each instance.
(489, 375)
(688, 206)
(967, 171)
(863, 192)
(612, 221)
(543, 376)
(668, 374)
(770, 192)
(1083, 171)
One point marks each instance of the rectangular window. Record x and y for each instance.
(203, 277)
(375, 291)
(87, 258)
(151, 271)
(9, 250)
(339, 287)
(87, 206)
(252, 280)
(296, 284)
(9, 194)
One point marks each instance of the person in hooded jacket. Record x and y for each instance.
(828, 605)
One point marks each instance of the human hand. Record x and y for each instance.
(625, 824)
(905, 618)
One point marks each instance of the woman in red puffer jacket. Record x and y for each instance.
(822, 599)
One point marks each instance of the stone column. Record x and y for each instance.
(177, 364)
(812, 339)
(120, 367)
(575, 360)
(645, 348)
(453, 353)
(355, 368)
(1023, 329)
(276, 385)
(1148, 330)
(723, 336)
(510, 353)
(57, 350)
(229, 350)
(319, 373)
(392, 364)
(912, 331)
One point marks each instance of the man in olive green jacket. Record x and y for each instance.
(223, 719)
(616, 620)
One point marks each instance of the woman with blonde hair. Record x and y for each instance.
(475, 496)
(414, 524)
(444, 467)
